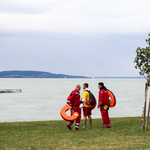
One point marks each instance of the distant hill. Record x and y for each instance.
(34, 74)
(120, 77)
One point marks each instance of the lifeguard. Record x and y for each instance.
(103, 103)
(74, 102)
(87, 107)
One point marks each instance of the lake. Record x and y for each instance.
(42, 99)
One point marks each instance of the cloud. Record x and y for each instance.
(76, 17)
(62, 36)
(92, 55)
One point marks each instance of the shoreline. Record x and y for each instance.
(66, 121)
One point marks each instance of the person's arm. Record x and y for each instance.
(100, 99)
(84, 99)
(70, 98)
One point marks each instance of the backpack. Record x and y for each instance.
(91, 98)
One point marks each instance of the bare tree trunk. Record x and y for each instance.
(147, 115)
(144, 107)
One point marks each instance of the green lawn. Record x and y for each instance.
(45, 135)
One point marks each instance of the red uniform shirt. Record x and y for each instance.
(74, 98)
(103, 98)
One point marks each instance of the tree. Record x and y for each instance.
(142, 61)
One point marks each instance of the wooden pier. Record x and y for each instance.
(10, 90)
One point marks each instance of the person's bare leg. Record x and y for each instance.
(85, 119)
(90, 120)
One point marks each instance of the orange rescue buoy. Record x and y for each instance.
(94, 104)
(65, 116)
(113, 98)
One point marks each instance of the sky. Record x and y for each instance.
(94, 38)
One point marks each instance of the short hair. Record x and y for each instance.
(86, 85)
(101, 83)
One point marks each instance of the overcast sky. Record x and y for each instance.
(75, 37)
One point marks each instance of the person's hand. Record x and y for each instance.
(81, 102)
(88, 103)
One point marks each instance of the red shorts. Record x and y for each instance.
(87, 111)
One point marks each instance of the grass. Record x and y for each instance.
(46, 135)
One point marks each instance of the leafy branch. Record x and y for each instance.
(142, 61)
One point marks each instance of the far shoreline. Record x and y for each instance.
(80, 78)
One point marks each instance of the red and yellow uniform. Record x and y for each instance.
(103, 102)
(74, 101)
(87, 109)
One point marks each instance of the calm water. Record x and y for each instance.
(42, 99)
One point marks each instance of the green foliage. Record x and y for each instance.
(142, 60)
